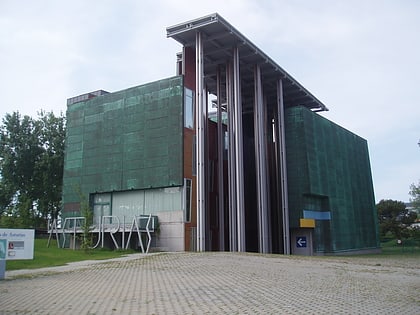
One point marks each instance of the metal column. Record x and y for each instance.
(261, 164)
(220, 164)
(201, 195)
(283, 168)
(207, 234)
(233, 244)
(240, 203)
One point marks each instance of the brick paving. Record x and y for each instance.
(217, 283)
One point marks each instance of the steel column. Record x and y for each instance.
(267, 177)
(207, 233)
(283, 168)
(279, 200)
(200, 144)
(260, 161)
(240, 203)
(220, 164)
(233, 244)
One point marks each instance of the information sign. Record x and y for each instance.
(16, 244)
(301, 241)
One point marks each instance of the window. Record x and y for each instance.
(188, 195)
(189, 108)
(101, 206)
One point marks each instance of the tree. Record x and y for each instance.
(415, 194)
(49, 169)
(31, 168)
(394, 217)
(85, 211)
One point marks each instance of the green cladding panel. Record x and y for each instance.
(131, 139)
(329, 172)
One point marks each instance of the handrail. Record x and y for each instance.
(99, 239)
(51, 228)
(110, 233)
(74, 225)
(71, 219)
(148, 234)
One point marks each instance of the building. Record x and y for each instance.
(265, 174)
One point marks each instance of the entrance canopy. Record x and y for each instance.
(219, 37)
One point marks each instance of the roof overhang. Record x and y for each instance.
(219, 37)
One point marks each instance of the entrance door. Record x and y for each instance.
(302, 242)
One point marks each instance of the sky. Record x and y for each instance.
(360, 58)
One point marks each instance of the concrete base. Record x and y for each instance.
(171, 234)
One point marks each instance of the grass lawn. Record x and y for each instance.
(408, 247)
(53, 256)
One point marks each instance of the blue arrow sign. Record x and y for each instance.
(301, 241)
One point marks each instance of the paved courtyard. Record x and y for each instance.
(217, 283)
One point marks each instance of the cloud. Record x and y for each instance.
(360, 58)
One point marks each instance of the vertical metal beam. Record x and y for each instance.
(279, 200)
(220, 164)
(266, 175)
(200, 144)
(283, 168)
(233, 244)
(260, 161)
(240, 203)
(207, 170)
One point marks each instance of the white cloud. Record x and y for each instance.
(361, 58)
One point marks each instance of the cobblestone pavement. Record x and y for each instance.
(217, 283)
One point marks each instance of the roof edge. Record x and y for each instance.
(196, 24)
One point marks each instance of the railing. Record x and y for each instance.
(107, 225)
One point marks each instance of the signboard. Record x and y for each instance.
(307, 223)
(16, 244)
(300, 241)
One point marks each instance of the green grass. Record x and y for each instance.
(390, 249)
(53, 256)
(408, 247)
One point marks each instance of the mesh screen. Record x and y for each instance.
(126, 140)
(329, 170)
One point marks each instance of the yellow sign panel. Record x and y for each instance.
(307, 223)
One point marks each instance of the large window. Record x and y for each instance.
(189, 109)
(101, 206)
